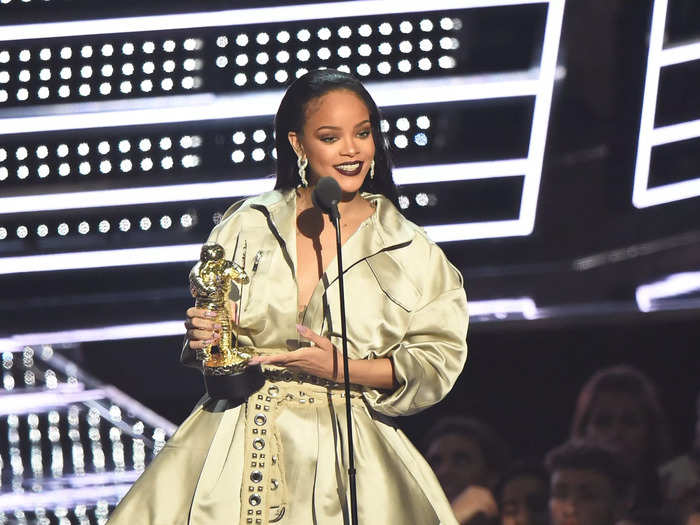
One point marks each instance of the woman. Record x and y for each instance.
(281, 456)
(619, 407)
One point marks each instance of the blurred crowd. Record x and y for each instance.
(615, 468)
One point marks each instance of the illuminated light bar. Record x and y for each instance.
(134, 196)
(204, 107)
(477, 230)
(649, 136)
(675, 133)
(241, 188)
(237, 17)
(104, 333)
(680, 54)
(20, 402)
(540, 119)
(524, 305)
(99, 259)
(458, 171)
(673, 286)
(504, 307)
(62, 497)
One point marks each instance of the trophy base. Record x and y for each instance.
(236, 387)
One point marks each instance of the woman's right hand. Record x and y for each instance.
(202, 327)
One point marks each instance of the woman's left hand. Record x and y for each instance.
(322, 359)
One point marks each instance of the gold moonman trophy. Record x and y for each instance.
(225, 364)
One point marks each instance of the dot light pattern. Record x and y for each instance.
(64, 70)
(118, 156)
(376, 47)
(77, 430)
(99, 224)
(250, 57)
(55, 161)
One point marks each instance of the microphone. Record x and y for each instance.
(326, 196)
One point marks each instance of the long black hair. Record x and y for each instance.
(292, 114)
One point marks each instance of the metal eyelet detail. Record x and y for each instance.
(258, 444)
(273, 390)
(256, 476)
(260, 419)
(274, 484)
(255, 500)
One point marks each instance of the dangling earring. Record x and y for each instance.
(371, 169)
(302, 162)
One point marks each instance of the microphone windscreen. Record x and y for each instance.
(326, 194)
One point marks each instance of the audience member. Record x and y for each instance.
(468, 458)
(590, 484)
(619, 407)
(522, 494)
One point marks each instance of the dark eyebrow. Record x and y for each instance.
(336, 127)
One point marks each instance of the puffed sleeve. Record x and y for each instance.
(433, 351)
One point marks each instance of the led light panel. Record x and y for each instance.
(650, 136)
(538, 82)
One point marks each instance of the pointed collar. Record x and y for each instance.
(385, 228)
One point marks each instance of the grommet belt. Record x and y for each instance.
(263, 492)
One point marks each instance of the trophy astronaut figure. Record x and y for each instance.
(212, 280)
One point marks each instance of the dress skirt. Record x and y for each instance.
(281, 457)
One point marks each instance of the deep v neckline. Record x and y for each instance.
(301, 309)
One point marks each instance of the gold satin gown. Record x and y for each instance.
(281, 457)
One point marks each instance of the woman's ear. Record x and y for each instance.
(295, 143)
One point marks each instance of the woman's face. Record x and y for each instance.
(619, 420)
(337, 140)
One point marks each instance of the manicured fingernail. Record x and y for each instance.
(209, 313)
(208, 341)
(217, 326)
(302, 329)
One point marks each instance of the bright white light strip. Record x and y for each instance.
(649, 136)
(134, 196)
(672, 286)
(103, 333)
(237, 17)
(242, 188)
(502, 307)
(540, 119)
(457, 172)
(24, 402)
(477, 230)
(675, 133)
(99, 259)
(264, 103)
(680, 54)
(51, 499)
(177, 328)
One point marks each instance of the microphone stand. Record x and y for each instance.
(335, 218)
